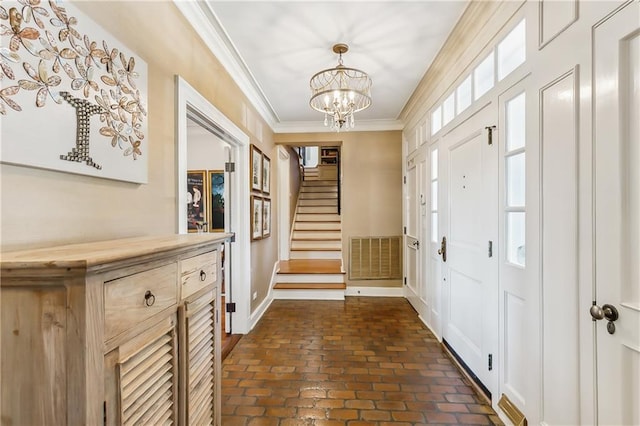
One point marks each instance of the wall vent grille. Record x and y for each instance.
(375, 258)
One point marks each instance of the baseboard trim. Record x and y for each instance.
(262, 308)
(375, 291)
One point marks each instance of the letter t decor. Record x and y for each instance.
(84, 111)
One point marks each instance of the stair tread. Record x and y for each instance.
(315, 249)
(308, 266)
(316, 239)
(309, 286)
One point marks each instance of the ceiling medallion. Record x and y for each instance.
(340, 92)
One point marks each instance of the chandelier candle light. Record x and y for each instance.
(340, 92)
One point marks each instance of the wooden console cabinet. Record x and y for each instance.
(114, 332)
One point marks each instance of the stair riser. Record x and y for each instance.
(320, 209)
(318, 196)
(310, 278)
(315, 254)
(309, 294)
(301, 217)
(317, 235)
(319, 226)
(318, 202)
(325, 182)
(316, 245)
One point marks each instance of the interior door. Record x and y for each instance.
(617, 215)
(412, 240)
(470, 273)
(417, 232)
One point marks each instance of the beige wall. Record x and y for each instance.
(42, 208)
(372, 185)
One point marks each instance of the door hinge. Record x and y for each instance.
(405, 230)
(104, 413)
(490, 250)
(217, 316)
(231, 307)
(404, 179)
(490, 363)
(405, 280)
(230, 167)
(490, 130)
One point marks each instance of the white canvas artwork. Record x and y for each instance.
(72, 97)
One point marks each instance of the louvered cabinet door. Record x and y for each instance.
(147, 377)
(201, 360)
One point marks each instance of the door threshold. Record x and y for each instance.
(479, 387)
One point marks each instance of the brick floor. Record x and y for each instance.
(364, 361)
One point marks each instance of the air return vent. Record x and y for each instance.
(375, 258)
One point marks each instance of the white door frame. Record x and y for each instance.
(284, 202)
(188, 99)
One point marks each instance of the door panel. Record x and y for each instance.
(617, 213)
(470, 277)
(416, 237)
(411, 238)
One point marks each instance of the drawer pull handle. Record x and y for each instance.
(149, 298)
(203, 275)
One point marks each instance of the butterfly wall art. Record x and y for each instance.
(72, 98)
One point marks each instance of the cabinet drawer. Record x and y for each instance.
(198, 272)
(130, 300)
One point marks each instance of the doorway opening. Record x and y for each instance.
(224, 149)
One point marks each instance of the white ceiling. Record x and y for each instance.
(279, 45)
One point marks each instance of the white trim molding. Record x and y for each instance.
(206, 23)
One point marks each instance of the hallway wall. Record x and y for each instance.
(372, 186)
(43, 208)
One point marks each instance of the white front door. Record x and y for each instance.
(617, 215)
(469, 181)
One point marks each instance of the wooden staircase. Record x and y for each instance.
(314, 270)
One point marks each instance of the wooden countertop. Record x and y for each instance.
(86, 255)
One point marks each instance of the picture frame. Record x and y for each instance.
(256, 218)
(197, 200)
(266, 217)
(266, 174)
(256, 169)
(215, 194)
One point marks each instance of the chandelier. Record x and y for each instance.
(340, 92)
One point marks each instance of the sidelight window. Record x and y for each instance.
(434, 195)
(515, 181)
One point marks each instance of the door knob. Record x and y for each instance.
(607, 311)
(443, 249)
(416, 244)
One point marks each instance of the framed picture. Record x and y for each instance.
(196, 200)
(266, 218)
(266, 174)
(256, 218)
(256, 169)
(216, 200)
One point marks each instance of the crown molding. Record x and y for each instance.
(205, 22)
(318, 127)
